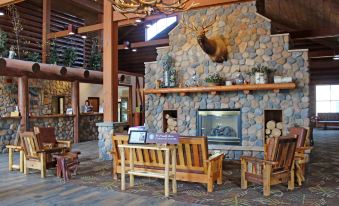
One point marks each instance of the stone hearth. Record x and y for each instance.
(250, 43)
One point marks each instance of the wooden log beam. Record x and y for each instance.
(4, 3)
(110, 64)
(91, 28)
(18, 68)
(69, 31)
(23, 102)
(89, 4)
(75, 108)
(157, 42)
(46, 22)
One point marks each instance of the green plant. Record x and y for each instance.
(33, 57)
(95, 59)
(3, 42)
(214, 78)
(17, 26)
(69, 56)
(53, 53)
(260, 69)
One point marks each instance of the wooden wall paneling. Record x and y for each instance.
(46, 20)
(75, 108)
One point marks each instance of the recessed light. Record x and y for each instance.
(138, 20)
(84, 36)
(134, 50)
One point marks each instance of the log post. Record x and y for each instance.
(75, 108)
(110, 63)
(23, 102)
(46, 19)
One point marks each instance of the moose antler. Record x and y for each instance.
(185, 24)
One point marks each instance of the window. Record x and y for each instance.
(327, 98)
(159, 26)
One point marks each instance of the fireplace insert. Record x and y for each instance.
(221, 126)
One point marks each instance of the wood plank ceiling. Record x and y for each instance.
(312, 24)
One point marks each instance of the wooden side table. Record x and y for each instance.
(67, 163)
(166, 175)
(11, 165)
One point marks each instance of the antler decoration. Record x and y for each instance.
(149, 7)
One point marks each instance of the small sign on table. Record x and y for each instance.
(162, 138)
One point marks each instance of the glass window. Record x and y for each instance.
(159, 26)
(327, 98)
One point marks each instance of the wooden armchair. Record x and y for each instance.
(277, 166)
(35, 156)
(46, 136)
(300, 158)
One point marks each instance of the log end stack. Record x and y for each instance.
(172, 124)
(273, 129)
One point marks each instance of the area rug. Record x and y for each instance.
(320, 188)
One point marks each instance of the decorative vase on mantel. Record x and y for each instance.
(169, 75)
(260, 78)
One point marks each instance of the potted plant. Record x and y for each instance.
(260, 73)
(214, 79)
(69, 56)
(3, 42)
(53, 54)
(95, 59)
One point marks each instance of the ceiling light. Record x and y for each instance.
(126, 45)
(71, 33)
(148, 25)
(2, 13)
(134, 50)
(138, 20)
(84, 36)
(336, 57)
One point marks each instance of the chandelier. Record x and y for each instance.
(149, 7)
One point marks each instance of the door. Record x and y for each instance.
(95, 102)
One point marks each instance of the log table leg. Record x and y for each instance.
(10, 159)
(131, 162)
(21, 163)
(174, 163)
(167, 173)
(122, 154)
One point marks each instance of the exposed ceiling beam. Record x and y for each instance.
(8, 2)
(156, 42)
(91, 28)
(315, 34)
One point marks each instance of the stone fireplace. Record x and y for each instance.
(222, 126)
(250, 43)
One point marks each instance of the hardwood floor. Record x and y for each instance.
(18, 189)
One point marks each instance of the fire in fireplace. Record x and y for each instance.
(221, 126)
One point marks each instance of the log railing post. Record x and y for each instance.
(75, 108)
(46, 18)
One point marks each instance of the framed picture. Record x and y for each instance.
(137, 137)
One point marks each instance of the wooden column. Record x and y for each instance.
(110, 69)
(75, 108)
(23, 102)
(46, 19)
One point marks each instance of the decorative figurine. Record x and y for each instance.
(194, 81)
(169, 72)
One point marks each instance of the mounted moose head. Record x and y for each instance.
(215, 47)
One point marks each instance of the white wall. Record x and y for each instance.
(90, 90)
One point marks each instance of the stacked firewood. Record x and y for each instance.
(172, 124)
(273, 129)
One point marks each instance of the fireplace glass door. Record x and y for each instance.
(220, 126)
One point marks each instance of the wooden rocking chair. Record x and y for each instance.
(277, 166)
(35, 156)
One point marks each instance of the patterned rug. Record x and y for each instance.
(321, 186)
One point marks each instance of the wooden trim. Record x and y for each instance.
(249, 87)
(60, 34)
(4, 3)
(141, 44)
(90, 28)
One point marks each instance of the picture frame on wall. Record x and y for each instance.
(137, 137)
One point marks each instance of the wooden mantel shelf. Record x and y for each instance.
(214, 89)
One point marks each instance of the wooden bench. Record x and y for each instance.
(328, 119)
(193, 163)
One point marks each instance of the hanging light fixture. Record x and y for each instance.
(149, 7)
(2, 12)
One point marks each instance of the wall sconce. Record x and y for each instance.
(2, 12)
(127, 45)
